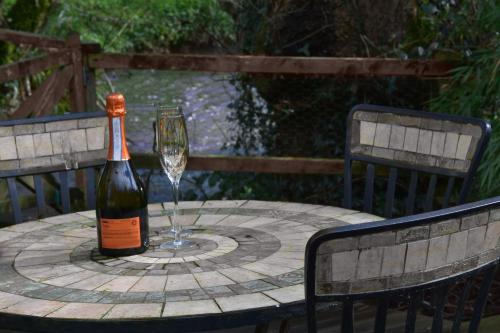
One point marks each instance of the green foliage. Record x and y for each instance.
(468, 32)
(24, 15)
(125, 25)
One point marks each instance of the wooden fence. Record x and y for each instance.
(73, 66)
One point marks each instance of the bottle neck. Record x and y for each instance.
(118, 150)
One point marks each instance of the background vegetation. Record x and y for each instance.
(278, 115)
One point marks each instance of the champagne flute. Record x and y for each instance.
(173, 150)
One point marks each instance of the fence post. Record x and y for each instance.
(89, 78)
(76, 90)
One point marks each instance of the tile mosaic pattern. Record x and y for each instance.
(39, 145)
(248, 255)
(408, 256)
(413, 141)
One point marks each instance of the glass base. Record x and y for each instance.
(172, 245)
(184, 232)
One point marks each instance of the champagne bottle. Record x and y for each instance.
(122, 215)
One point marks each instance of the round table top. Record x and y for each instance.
(248, 256)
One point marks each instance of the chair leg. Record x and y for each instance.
(285, 326)
(262, 328)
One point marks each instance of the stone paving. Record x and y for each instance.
(247, 255)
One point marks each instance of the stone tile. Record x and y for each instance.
(9, 165)
(212, 279)
(120, 311)
(189, 308)
(180, 282)
(6, 131)
(492, 236)
(344, 265)
(28, 129)
(366, 115)
(92, 282)
(438, 251)
(243, 302)
(43, 144)
(7, 299)
(25, 146)
(331, 211)
(394, 260)
(437, 145)
(81, 311)
(397, 137)
(424, 142)
(78, 140)
(456, 247)
(62, 125)
(210, 219)
(379, 239)
(8, 151)
(93, 122)
(239, 274)
(475, 241)
(34, 307)
(35, 162)
(367, 133)
(150, 283)
(474, 220)
(287, 294)
(65, 218)
(406, 157)
(473, 130)
(95, 138)
(445, 228)
(416, 256)
(431, 124)
(464, 142)
(383, 153)
(370, 262)
(382, 134)
(411, 139)
(56, 138)
(119, 284)
(409, 121)
(451, 126)
(450, 145)
(7, 235)
(223, 203)
(339, 245)
(65, 280)
(359, 218)
(412, 234)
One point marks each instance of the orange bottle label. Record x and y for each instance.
(121, 233)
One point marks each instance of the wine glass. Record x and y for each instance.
(173, 150)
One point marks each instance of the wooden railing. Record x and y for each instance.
(75, 63)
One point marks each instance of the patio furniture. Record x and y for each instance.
(407, 262)
(415, 146)
(34, 147)
(246, 269)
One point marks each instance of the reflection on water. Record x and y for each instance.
(205, 100)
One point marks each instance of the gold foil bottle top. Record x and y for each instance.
(115, 105)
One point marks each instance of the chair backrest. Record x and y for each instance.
(33, 146)
(438, 148)
(404, 260)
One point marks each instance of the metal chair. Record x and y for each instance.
(438, 148)
(411, 261)
(34, 147)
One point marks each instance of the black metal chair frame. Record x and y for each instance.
(411, 293)
(395, 165)
(63, 173)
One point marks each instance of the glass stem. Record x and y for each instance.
(176, 224)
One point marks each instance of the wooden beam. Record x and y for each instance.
(45, 97)
(33, 66)
(77, 91)
(274, 65)
(261, 164)
(27, 38)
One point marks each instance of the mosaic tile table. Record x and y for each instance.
(246, 268)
